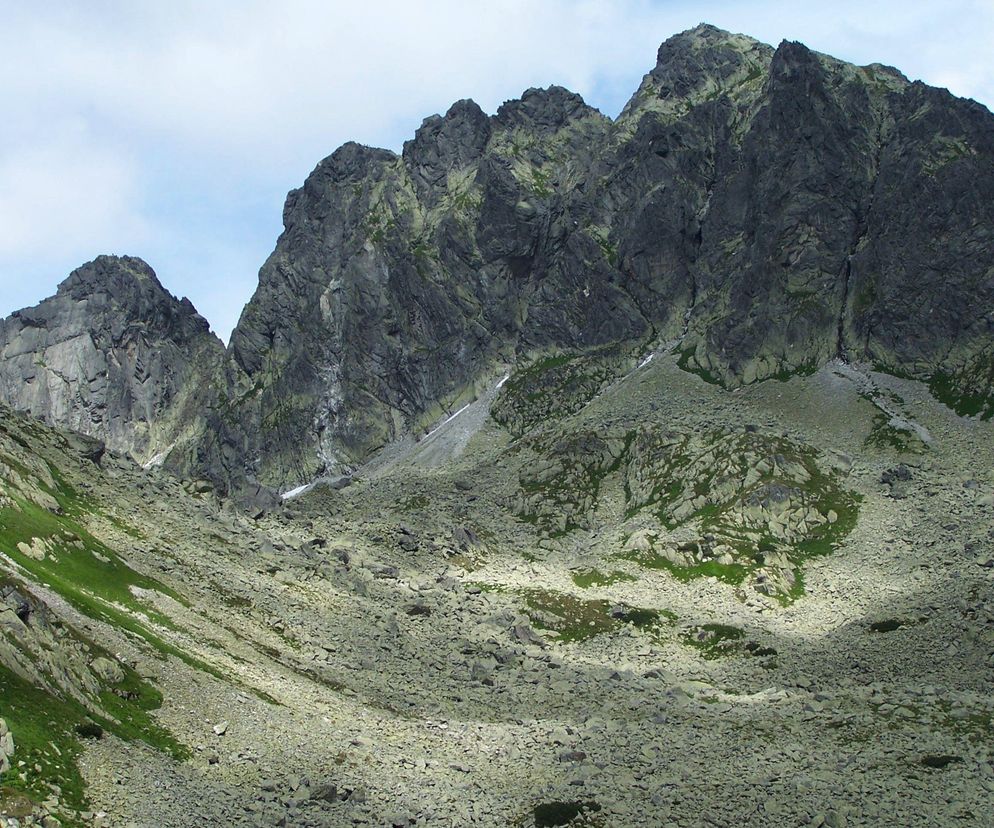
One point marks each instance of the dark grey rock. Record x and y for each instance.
(771, 204)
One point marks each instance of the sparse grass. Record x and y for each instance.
(587, 578)
(969, 392)
(732, 483)
(554, 386)
(715, 640)
(825, 538)
(540, 180)
(486, 586)
(413, 503)
(885, 436)
(584, 459)
(466, 562)
(575, 619)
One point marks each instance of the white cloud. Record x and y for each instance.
(65, 193)
(172, 130)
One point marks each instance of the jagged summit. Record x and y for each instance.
(113, 355)
(107, 271)
(544, 110)
(128, 280)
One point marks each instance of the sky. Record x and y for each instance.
(173, 130)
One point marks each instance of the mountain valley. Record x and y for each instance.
(562, 471)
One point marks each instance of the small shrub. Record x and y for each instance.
(889, 625)
(550, 814)
(90, 730)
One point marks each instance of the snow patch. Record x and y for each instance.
(157, 460)
(647, 360)
(445, 422)
(292, 493)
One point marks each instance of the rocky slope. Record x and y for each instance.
(376, 655)
(115, 356)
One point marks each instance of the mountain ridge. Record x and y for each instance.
(752, 204)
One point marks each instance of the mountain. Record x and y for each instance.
(536, 344)
(771, 209)
(762, 211)
(115, 356)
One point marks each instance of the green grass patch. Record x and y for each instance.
(89, 575)
(683, 363)
(805, 369)
(44, 735)
(571, 618)
(93, 567)
(575, 619)
(47, 730)
(955, 393)
(733, 574)
(825, 538)
(129, 705)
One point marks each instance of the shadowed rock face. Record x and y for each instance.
(771, 208)
(112, 355)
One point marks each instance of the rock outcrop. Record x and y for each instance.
(115, 356)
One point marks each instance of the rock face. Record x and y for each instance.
(769, 209)
(776, 208)
(115, 356)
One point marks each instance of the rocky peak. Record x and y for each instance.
(110, 274)
(350, 163)
(794, 63)
(701, 64)
(126, 289)
(446, 143)
(113, 355)
(544, 111)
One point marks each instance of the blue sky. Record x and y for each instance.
(173, 130)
